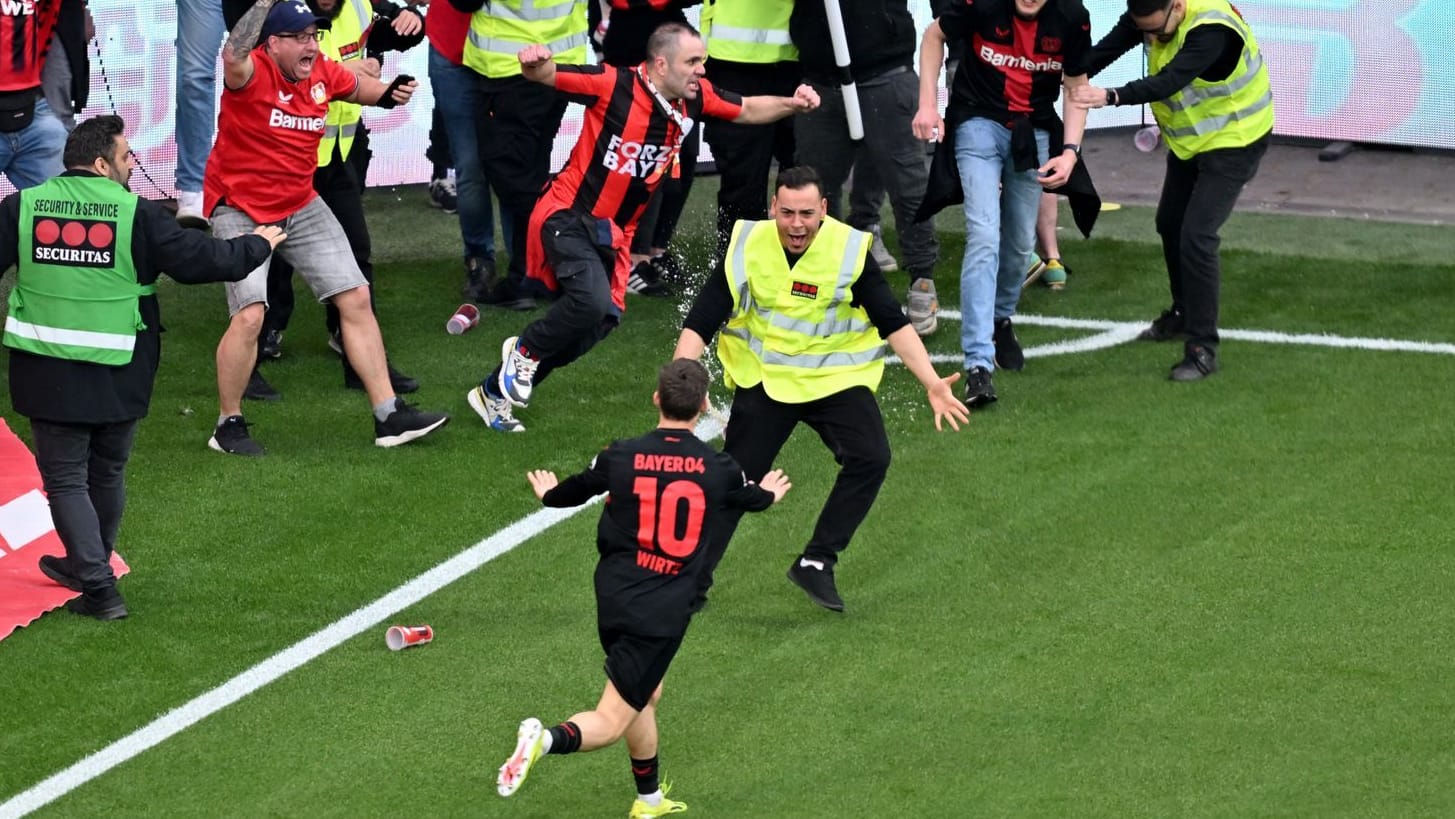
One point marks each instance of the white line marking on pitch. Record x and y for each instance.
(309, 648)
(305, 650)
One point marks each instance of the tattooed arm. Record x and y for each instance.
(237, 65)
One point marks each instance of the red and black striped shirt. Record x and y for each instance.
(25, 33)
(1014, 67)
(627, 143)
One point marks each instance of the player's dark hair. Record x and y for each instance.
(92, 140)
(664, 40)
(681, 388)
(1142, 8)
(799, 177)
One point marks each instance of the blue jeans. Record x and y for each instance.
(1000, 231)
(32, 155)
(199, 41)
(456, 97)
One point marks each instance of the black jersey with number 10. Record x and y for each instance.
(664, 490)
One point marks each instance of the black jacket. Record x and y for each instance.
(77, 392)
(881, 36)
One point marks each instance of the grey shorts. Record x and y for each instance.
(316, 247)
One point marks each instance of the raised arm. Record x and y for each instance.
(237, 61)
(762, 110)
(536, 65)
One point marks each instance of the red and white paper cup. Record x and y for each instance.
(401, 637)
(465, 317)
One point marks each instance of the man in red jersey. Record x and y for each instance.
(581, 231)
(32, 137)
(274, 106)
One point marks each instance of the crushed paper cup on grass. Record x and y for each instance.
(400, 637)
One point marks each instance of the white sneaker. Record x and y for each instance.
(495, 412)
(923, 306)
(528, 742)
(189, 209)
(886, 262)
(517, 372)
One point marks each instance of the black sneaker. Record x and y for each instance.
(271, 345)
(59, 570)
(507, 295)
(442, 194)
(1008, 354)
(480, 278)
(401, 383)
(816, 578)
(231, 436)
(1166, 327)
(103, 605)
(258, 388)
(406, 423)
(646, 280)
(979, 390)
(1198, 362)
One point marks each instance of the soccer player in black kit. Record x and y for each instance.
(665, 489)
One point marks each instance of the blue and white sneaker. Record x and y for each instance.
(517, 372)
(495, 412)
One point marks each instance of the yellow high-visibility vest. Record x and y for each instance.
(748, 31)
(503, 27)
(341, 44)
(1205, 116)
(795, 330)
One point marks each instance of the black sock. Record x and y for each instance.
(566, 738)
(645, 772)
(439, 171)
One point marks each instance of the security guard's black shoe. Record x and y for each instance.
(816, 578)
(59, 570)
(1197, 363)
(258, 389)
(398, 381)
(1166, 327)
(1008, 353)
(103, 605)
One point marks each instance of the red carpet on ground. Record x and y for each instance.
(26, 533)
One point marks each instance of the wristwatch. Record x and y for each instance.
(1075, 149)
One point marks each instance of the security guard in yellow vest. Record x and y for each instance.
(807, 315)
(749, 51)
(1209, 91)
(515, 119)
(84, 332)
(358, 30)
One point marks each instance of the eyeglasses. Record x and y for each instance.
(302, 37)
(1166, 18)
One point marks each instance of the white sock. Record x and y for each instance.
(654, 798)
(546, 742)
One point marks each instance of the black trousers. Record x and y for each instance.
(1198, 195)
(584, 314)
(851, 427)
(744, 154)
(340, 187)
(516, 124)
(83, 467)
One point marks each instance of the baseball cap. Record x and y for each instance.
(290, 16)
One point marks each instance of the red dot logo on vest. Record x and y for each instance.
(73, 242)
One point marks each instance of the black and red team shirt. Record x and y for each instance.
(25, 33)
(665, 488)
(1013, 68)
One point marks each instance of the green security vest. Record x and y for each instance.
(343, 118)
(503, 27)
(76, 292)
(794, 330)
(748, 31)
(1206, 116)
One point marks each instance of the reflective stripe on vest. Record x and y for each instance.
(1206, 116)
(800, 347)
(76, 293)
(748, 31)
(503, 27)
(342, 121)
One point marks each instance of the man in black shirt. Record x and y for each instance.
(808, 313)
(1208, 89)
(665, 490)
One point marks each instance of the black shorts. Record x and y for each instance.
(636, 663)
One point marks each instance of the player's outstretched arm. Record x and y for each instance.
(777, 483)
(541, 481)
(761, 110)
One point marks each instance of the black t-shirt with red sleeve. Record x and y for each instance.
(1013, 67)
(665, 488)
